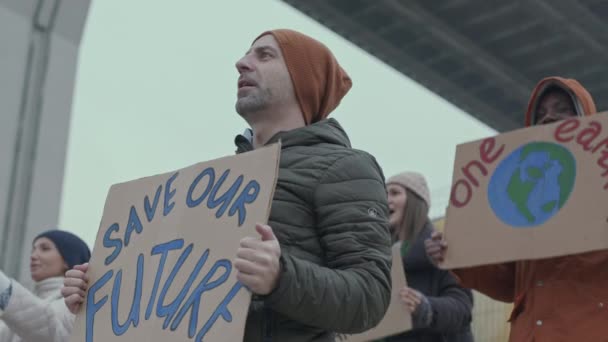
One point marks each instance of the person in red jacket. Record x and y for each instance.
(555, 299)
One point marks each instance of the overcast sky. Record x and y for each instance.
(153, 76)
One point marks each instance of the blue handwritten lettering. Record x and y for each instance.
(108, 243)
(244, 198)
(174, 313)
(221, 310)
(162, 249)
(151, 208)
(226, 198)
(134, 224)
(169, 195)
(168, 311)
(133, 317)
(209, 172)
(93, 306)
(194, 300)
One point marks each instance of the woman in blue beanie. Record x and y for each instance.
(41, 315)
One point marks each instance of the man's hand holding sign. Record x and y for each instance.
(257, 261)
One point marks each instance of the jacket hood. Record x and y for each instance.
(327, 131)
(583, 102)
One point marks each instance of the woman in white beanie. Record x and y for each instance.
(441, 309)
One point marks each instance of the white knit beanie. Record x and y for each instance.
(415, 182)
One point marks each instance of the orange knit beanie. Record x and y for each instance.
(319, 81)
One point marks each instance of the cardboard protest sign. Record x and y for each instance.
(397, 318)
(532, 193)
(161, 268)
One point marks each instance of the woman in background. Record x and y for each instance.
(440, 307)
(41, 315)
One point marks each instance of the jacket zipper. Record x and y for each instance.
(267, 325)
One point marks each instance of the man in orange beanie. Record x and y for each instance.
(322, 265)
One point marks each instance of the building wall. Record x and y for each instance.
(38, 59)
(489, 316)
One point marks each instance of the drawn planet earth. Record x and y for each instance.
(532, 184)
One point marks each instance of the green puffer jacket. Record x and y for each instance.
(330, 215)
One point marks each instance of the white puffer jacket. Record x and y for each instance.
(41, 316)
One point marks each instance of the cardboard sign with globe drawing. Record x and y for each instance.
(532, 193)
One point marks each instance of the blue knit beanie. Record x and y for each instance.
(73, 250)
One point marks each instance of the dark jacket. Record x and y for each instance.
(330, 215)
(451, 304)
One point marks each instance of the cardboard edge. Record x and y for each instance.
(277, 146)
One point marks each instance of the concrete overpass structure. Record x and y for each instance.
(39, 42)
(484, 56)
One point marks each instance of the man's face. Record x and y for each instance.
(264, 79)
(554, 106)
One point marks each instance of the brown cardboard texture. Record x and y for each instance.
(161, 268)
(532, 193)
(397, 318)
